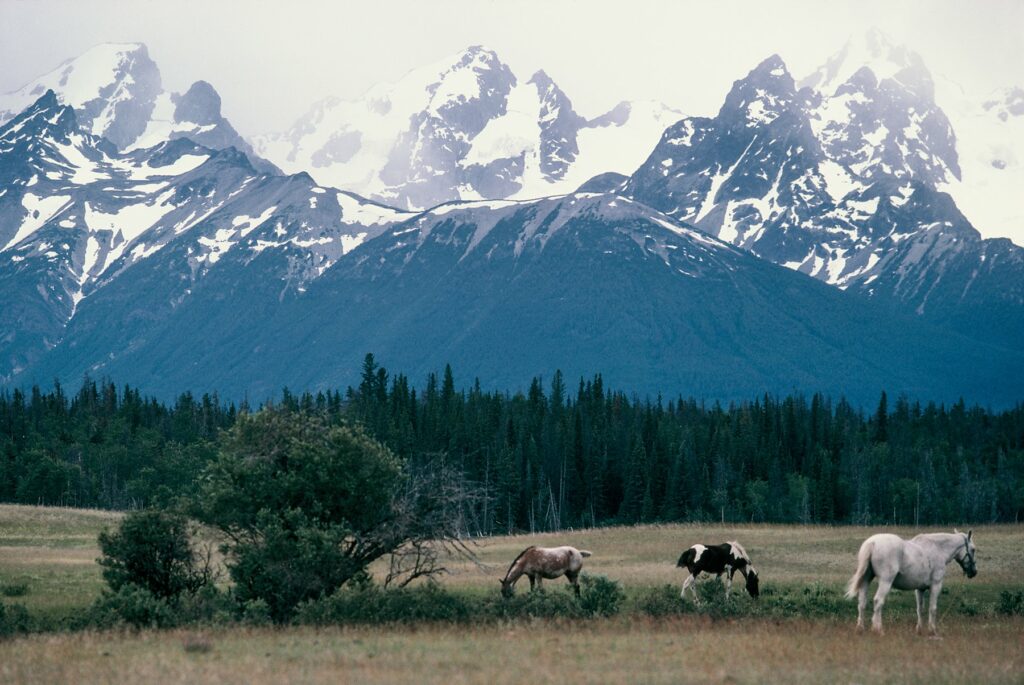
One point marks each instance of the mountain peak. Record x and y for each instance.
(46, 116)
(199, 104)
(872, 50)
(763, 93)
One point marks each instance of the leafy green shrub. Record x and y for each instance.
(1011, 603)
(307, 505)
(600, 596)
(969, 607)
(256, 612)
(664, 601)
(536, 604)
(372, 604)
(130, 605)
(13, 619)
(15, 590)
(208, 605)
(153, 550)
(294, 560)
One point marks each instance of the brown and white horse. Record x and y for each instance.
(537, 563)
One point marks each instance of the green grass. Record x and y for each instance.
(52, 552)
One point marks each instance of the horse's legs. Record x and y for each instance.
(862, 602)
(533, 582)
(539, 578)
(688, 583)
(933, 605)
(574, 581)
(728, 582)
(919, 594)
(884, 585)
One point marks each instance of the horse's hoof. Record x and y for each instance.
(933, 636)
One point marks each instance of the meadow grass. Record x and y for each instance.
(608, 651)
(52, 552)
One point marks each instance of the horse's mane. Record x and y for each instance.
(516, 560)
(739, 548)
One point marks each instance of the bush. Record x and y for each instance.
(308, 506)
(256, 612)
(371, 604)
(153, 550)
(601, 596)
(1011, 603)
(664, 601)
(537, 604)
(130, 605)
(295, 560)
(208, 605)
(15, 590)
(13, 619)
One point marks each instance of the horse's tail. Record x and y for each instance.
(586, 553)
(860, 576)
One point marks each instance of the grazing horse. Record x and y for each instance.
(728, 557)
(918, 564)
(537, 563)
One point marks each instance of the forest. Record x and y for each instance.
(563, 454)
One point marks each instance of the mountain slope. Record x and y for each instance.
(508, 289)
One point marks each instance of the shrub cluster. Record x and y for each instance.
(13, 619)
(1011, 603)
(371, 604)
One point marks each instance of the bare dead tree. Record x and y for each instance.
(429, 528)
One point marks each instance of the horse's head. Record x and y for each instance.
(752, 582)
(965, 556)
(508, 588)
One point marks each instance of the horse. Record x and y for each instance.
(537, 563)
(718, 559)
(918, 564)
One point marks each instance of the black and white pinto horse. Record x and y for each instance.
(729, 557)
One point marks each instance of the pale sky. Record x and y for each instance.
(271, 60)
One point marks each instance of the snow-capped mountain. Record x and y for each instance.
(462, 129)
(116, 92)
(76, 214)
(512, 289)
(172, 263)
(846, 184)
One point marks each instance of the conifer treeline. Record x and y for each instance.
(559, 456)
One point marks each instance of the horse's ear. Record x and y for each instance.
(969, 534)
(955, 530)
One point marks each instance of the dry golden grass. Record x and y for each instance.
(54, 551)
(788, 555)
(616, 651)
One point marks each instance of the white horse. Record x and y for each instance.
(918, 564)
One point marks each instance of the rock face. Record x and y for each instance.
(76, 214)
(846, 180)
(465, 128)
(116, 92)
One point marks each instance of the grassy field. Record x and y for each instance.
(52, 552)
